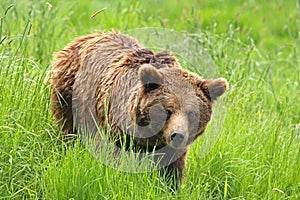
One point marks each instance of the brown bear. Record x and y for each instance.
(145, 97)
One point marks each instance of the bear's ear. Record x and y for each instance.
(150, 77)
(214, 88)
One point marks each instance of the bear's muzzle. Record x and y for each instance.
(177, 139)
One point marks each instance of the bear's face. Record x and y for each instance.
(172, 109)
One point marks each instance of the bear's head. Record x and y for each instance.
(173, 106)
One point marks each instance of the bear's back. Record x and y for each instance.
(90, 65)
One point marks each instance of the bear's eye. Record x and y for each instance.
(192, 115)
(168, 112)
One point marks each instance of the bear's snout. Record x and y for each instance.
(177, 138)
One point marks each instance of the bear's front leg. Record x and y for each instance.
(173, 173)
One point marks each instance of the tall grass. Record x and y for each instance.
(255, 45)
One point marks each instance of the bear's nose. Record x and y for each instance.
(177, 137)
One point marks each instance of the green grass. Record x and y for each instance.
(254, 44)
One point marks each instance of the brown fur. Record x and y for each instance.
(111, 71)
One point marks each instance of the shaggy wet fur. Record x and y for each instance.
(111, 73)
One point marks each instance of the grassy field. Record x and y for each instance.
(255, 45)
